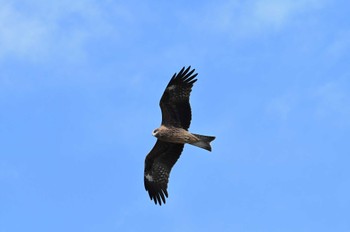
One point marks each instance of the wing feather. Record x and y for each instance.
(158, 164)
(175, 101)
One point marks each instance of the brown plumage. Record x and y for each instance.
(172, 134)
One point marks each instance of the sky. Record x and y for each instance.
(80, 83)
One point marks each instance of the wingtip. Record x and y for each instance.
(158, 196)
(159, 199)
(185, 76)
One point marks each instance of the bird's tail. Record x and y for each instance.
(204, 141)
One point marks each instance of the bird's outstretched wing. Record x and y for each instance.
(158, 164)
(175, 104)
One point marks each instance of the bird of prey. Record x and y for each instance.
(172, 134)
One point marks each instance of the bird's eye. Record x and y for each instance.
(154, 132)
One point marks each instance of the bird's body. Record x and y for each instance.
(172, 135)
(182, 136)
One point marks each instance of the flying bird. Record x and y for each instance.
(172, 135)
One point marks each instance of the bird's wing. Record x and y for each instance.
(175, 101)
(158, 165)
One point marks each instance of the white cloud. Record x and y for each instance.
(276, 13)
(49, 28)
(247, 18)
(325, 102)
(19, 35)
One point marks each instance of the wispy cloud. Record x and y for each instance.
(274, 13)
(248, 18)
(40, 29)
(323, 102)
(20, 35)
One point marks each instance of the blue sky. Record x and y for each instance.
(80, 83)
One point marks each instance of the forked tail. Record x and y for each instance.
(204, 141)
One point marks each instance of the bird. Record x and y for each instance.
(172, 134)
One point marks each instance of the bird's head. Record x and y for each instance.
(155, 132)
